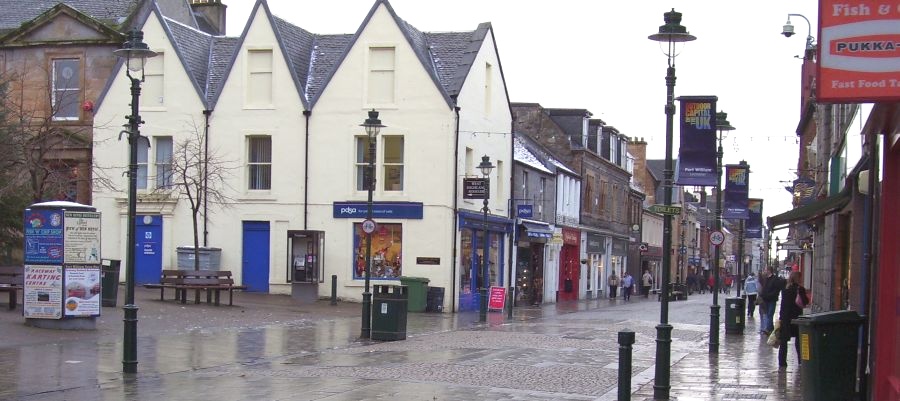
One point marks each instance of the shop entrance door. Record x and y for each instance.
(255, 256)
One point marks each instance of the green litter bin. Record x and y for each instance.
(418, 292)
(735, 310)
(389, 312)
(828, 350)
(109, 273)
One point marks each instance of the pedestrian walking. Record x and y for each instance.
(793, 300)
(751, 289)
(711, 282)
(627, 285)
(613, 282)
(769, 294)
(729, 281)
(646, 282)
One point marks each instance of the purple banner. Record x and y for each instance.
(697, 153)
(754, 225)
(737, 189)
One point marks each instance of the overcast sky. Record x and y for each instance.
(594, 54)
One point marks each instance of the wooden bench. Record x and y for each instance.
(213, 282)
(12, 280)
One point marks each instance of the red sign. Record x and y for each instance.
(571, 236)
(859, 51)
(497, 298)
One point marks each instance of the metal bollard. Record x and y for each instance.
(626, 339)
(334, 289)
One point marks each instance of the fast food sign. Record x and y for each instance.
(859, 51)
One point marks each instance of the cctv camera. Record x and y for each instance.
(788, 30)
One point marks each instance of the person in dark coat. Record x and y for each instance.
(790, 310)
(771, 289)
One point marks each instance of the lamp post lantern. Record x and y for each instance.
(373, 126)
(670, 33)
(721, 125)
(486, 167)
(135, 53)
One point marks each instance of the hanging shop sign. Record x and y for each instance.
(697, 152)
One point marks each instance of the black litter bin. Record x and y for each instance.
(435, 299)
(109, 273)
(735, 310)
(389, 309)
(828, 343)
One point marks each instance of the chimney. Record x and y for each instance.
(210, 16)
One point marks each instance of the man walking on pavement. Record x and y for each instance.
(769, 294)
(613, 285)
(646, 281)
(627, 285)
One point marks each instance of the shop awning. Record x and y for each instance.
(811, 211)
(537, 230)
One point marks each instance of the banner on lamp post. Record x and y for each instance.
(737, 189)
(697, 152)
(754, 224)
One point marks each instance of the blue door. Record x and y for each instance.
(148, 255)
(255, 256)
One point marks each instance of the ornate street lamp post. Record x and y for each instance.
(722, 125)
(135, 53)
(670, 33)
(372, 126)
(485, 168)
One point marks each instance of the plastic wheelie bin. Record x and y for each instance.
(389, 304)
(418, 291)
(828, 350)
(109, 282)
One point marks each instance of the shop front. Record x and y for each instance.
(472, 250)
(595, 271)
(569, 265)
(651, 260)
(532, 237)
(618, 256)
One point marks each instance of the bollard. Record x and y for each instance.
(334, 289)
(626, 339)
(512, 297)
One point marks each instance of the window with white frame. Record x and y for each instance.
(66, 89)
(362, 163)
(163, 161)
(259, 163)
(259, 78)
(153, 89)
(143, 150)
(381, 75)
(393, 163)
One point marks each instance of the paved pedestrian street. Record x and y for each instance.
(268, 348)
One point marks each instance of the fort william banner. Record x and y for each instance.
(697, 153)
(737, 189)
(754, 225)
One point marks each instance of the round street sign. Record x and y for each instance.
(368, 226)
(716, 238)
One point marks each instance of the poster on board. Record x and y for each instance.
(43, 236)
(43, 292)
(496, 298)
(81, 238)
(82, 291)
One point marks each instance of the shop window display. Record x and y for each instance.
(387, 247)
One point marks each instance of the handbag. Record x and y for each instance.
(799, 301)
(758, 300)
(773, 339)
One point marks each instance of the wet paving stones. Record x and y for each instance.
(268, 348)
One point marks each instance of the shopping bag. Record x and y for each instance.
(773, 337)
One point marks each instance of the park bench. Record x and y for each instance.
(11, 282)
(213, 282)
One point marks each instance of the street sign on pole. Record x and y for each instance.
(716, 238)
(368, 226)
(663, 209)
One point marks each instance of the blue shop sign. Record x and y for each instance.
(44, 236)
(380, 210)
(524, 211)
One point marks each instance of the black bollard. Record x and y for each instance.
(626, 339)
(334, 289)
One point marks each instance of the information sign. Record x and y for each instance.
(497, 298)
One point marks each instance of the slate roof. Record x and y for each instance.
(194, 48)
(16, 12)
(221, 52)
(327, 52)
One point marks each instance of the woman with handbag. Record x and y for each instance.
(793, 300)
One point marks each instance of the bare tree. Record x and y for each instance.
(198, 175)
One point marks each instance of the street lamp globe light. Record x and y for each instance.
(486, 167)
(670, 34)
(135, 53)
(372, 126)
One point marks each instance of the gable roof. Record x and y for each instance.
(115, 13)
(10, 37)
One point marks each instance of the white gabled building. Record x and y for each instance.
(283, 107)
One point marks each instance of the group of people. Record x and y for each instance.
(765, 292)
(627, 283)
